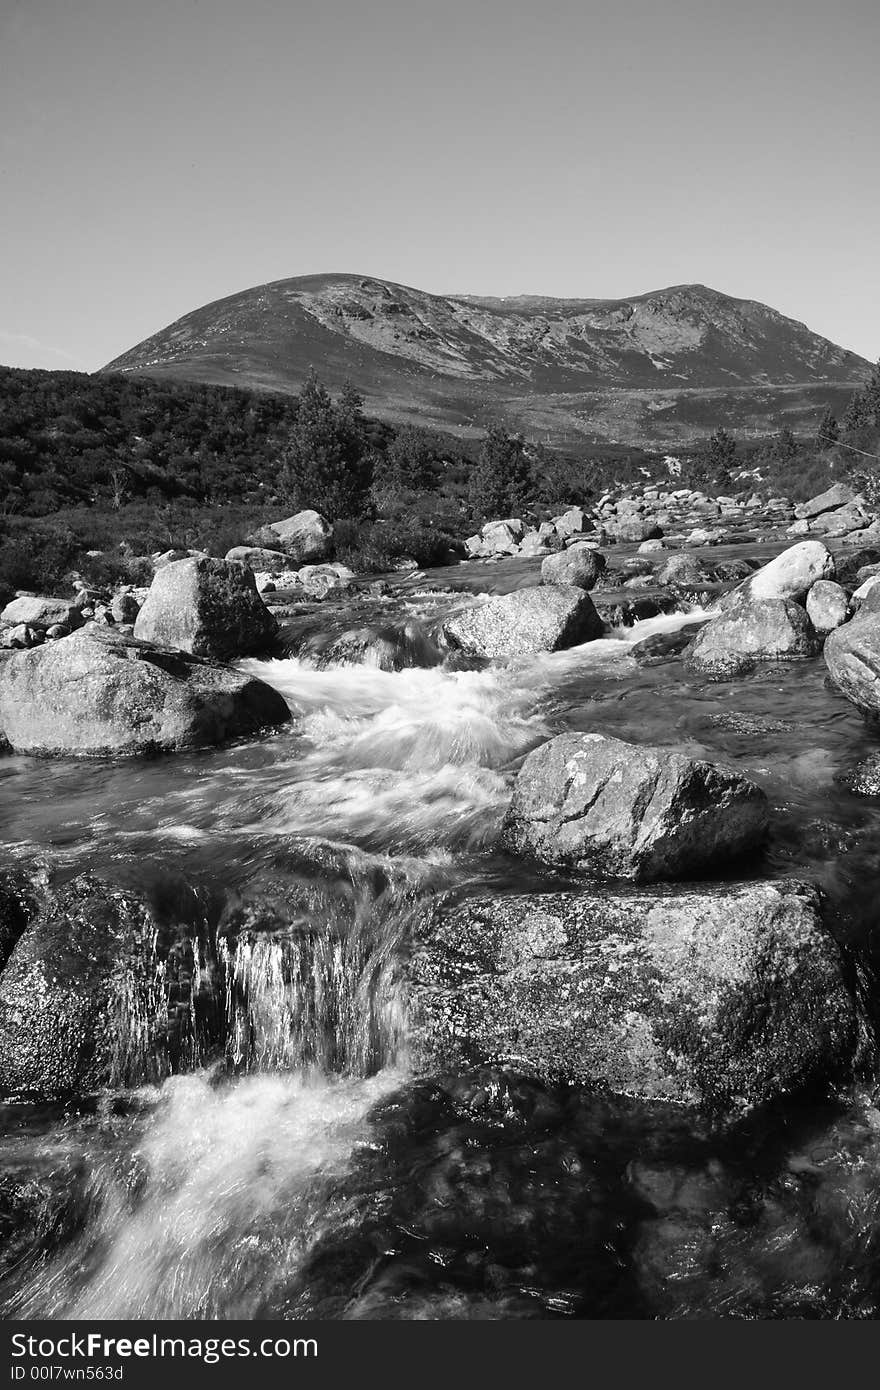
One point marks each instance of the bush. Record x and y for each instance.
(375, 547)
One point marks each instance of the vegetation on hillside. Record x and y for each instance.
(97, 472)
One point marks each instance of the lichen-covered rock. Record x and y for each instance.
(580, 565)
(749, 632)
(852, 655)
(682, 571)
(95, 693)
(206, 607)
(724, 997)
(612, 809)
(545, 619)
(96, 993)
(827, 606)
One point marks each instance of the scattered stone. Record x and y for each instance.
(613, 809)
(307, 537)
(259, 558)
(839, 495)
(206, 607)
(682, 571)
(125, 608)
(34, 611)
(572, 523)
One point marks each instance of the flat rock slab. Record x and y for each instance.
(722, 997)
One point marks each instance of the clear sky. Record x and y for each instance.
(159, 154)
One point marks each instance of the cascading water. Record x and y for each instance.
(297, 1168)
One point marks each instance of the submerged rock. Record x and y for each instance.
(864, 778)
(206, 607)
(749, 632)
(613, 809)
(724, 997)
(95, 693)
(95, 993)
(545, 619)
(580, 565)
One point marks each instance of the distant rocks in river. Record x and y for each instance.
(542, 619)
(206, 607)
(98, 693)
(725, 997)
(612, 809)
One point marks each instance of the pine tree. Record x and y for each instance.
(404, 470)
(501, 481)
(327, 463)
(857, 415)
(828, 432)
(872, 396)
(720, 454)
(784, 445)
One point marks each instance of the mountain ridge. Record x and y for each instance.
(685, 358)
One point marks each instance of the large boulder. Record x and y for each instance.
(572, 523)
(827, 606)
(792, 573)
(94, 693)
(544, 619)
(842, 521)
(307, 537)
(96, 993)
(852, 655)
(502, 537)
(839, 495)
(723, 997)
(635, 528)
(749, 632)
(580, 565)
(682, 571)
(612, 809)
(206, 607)
(42, 613)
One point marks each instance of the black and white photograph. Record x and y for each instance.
(439, 675)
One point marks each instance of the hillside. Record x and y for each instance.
(655, 369)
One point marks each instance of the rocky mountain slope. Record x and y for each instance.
(656, 368)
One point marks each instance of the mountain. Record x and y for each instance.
(655, 369)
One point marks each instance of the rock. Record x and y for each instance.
(700, 536)
(853, 566)
(827, 606)
(864, 589)
(842, 521)
(21, 891)
(259, 558)
(92, 694)
(21, 636)
(572, 523)
(95, 994)
(33, 611)
(798, 528)
(307, 537)
(792, 573)
(544, 619)
(57, 630)
(837, 496)
(502, 537)
(852, 656)
(317, 581)
(206, 607)
(650, 547)
(533, 543)
(635, 528)
(662, 646)
(578, 565)
(680, 570)
(869, 536)
(748, 632)
(170, 557)
(722, 997)
(473, 546)
(612, 809)
(125, 608)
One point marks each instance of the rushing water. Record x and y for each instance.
(311, 1174)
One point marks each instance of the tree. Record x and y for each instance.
(403, 470)
(784, 445)
(857, 415)
(327, 463)
(720, 454)
(828, 432)
(501, 481)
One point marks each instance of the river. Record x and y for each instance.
(318, 1176)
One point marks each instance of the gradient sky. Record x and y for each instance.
(159, 154)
